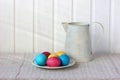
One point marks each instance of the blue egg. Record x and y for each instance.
(40, 59)
(65, 59)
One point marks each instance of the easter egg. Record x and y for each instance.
(41, 59)
(46, 53)
(65, 59)
(53, 62)
(60, 53)
(52, 55)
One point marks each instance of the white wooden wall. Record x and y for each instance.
(28, 26)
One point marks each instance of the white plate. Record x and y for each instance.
(72, 62)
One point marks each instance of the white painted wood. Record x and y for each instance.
(62, 13)
(101, 14)
(48, 17)
(115, 28)
(24, 26)
(43, 25)
(6, 26)
(81, 10)
(111, 29)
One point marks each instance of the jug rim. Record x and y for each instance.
(77, 23)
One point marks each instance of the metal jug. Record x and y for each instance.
(78, 40)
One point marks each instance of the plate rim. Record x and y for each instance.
(72, 62)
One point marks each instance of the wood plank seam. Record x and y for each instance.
(110, 23)
(72, 11)
(14, 24)
(33, 26)
(53, 26)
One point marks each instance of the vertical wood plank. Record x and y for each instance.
(115, 26)
(6, 26)
(81, 10)
(62, 13)
(43, 25)
(101, 9)
(24, 26)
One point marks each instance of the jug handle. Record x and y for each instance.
(101, 27)
(99, 24)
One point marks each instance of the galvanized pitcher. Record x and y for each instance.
(78, 40)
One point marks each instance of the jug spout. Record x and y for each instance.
(65, 25)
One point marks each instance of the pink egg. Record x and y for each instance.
(53, 62)
(46, 53)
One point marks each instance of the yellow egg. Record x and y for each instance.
(52, 55)
(60, 53)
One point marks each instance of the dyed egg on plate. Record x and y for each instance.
(52, 55)
(41, 59)
(65, 59)
(46, 53)
(53, 62)
(60, 53)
